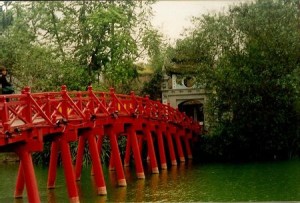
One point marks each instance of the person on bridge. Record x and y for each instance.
(87, 87)
(7, 87)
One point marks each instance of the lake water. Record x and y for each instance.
(272, 181)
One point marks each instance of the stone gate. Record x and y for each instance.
(180, 91)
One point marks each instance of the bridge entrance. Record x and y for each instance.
(192, 108)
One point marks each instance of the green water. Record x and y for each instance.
(273, 181)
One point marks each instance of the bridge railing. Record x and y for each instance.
(27, 109)
(28, 119)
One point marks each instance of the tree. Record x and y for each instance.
(249, 58)
(157, 53)
(98, 36)
(53, 43)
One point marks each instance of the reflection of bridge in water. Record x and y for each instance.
(30, 119)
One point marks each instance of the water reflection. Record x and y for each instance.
(101, 199)
(164, 177)
(112, 178)
(153, 187)
(139, 190)
(19, 200)
(51, 197)
(129, 173)
(277, 181)
(120, 194)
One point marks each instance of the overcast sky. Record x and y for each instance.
(171, 17)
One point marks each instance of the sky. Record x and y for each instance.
(171, 17)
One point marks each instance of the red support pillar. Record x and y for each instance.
(179, 147)
(53, 164)
(99, 146)
(79, 157)
(161, 148)
(151, 151)
(99, 177)
(111, 166)
(140, 142)
(171, 148)
(188, 147)
(20, 183)
(128, 150)
(28, 174)
(136, 153)
(116, 158)
(68, 171)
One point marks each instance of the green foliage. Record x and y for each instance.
(6, 17)
(153, 87)
(49, 44)
(43, 158)
(157, 52)
(73, 42)
(249, 58)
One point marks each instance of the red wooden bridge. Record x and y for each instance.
(30, 119)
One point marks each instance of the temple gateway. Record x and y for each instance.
(179, 90)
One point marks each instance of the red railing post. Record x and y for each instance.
(113, 100)
(5, 115)
(64, 106)
(28, 111)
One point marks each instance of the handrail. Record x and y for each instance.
(28, 110)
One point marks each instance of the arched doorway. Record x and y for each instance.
(192, 108)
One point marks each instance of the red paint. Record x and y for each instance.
(29, 117)
(53, 164)
(162, 154)
(28, 174)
